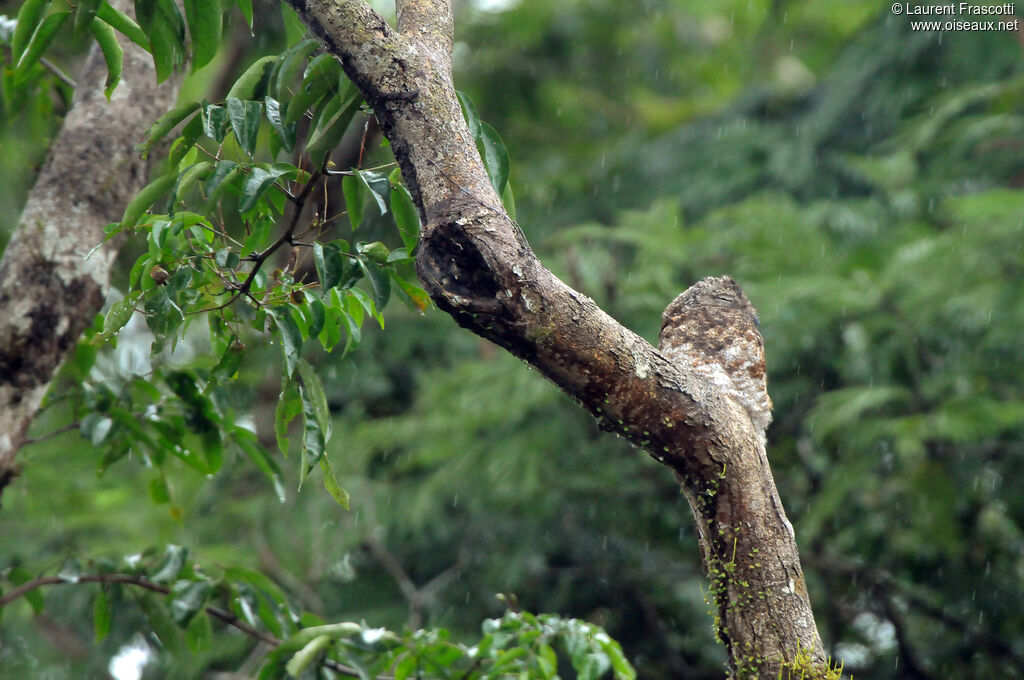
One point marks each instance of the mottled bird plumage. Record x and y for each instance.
(711, 328)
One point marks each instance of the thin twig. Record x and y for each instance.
(54, 433)
(352, 173)
(259, 258)
(59, 72)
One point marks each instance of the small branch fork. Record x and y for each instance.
(478, 267)
(416, 597)
(140, 582)
(286, 237)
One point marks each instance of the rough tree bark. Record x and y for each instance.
(49, 291)
(478, 267)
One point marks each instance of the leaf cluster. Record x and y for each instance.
(181, 601)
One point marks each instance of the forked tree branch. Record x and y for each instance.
(478, 267)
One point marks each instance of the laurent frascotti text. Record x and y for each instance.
(954, 9)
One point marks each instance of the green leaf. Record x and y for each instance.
(547, 661)
(41, 39)
(415, 295)
(294, 29)
(331, 483)
(199, 634)
(314, 393)
(258, 182)
(355, 198)
(123, 23)
(331, 125)
(245, 118)
(175, 558)
(285, 132)
(229, 362)
(291, 64)
(495, 156)
(246, 7)
(145, 199)
(187, 598)
(621, 667)
(220, 179)
(165, 124)
(259, 456)
(29, 14)
(469, 112)
(201, 417)
(192, 175)
(159, 491)
(215, 122)
(289, 405)
(406, 217)
(227, 258)
(322, 72)
(163, 23)
(252, 83)
(163, 315)
(379, 186)
(317, 317)
(119, 314)
(329, 263)
(331, 333)
(307, 655)
(257, 239)
(102, 613)
(407, 666)
(354, 331)
(321, 80)
(184, 144)
(376, 251)
(160, 622)
(113, 53)
(298, 106)
(492, 149)
(313, 436)
(204, 26)
(356, 301)
(291, 338)
(379, 281)
(18, 576)
(85, 15)
(509, 200)
(95, 427)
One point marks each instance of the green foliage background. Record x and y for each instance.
(860, 180)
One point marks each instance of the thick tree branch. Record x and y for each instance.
(49, 291)
(429, 23)
(478, 267)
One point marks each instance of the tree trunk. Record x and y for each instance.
(49, 291)
(478, 267)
